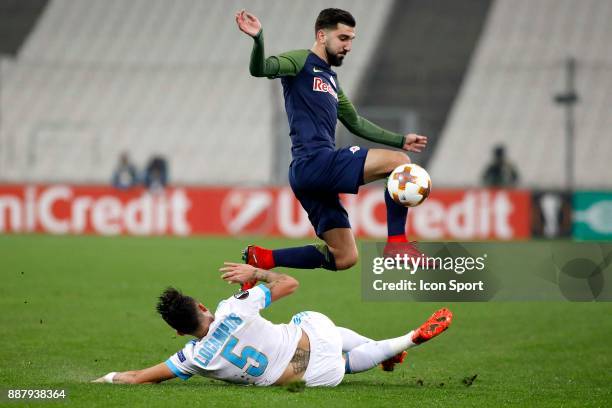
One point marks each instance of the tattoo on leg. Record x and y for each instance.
(300, 360)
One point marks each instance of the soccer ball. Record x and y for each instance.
(409, 185)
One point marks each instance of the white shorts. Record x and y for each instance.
(326, 364)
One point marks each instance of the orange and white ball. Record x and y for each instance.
(409, 185)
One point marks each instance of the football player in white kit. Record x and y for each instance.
(237, 345)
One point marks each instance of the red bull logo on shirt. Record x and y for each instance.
(320, 85)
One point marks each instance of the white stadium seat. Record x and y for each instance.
(507, 96)
(155, 77)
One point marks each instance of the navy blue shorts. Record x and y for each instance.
(317, 180)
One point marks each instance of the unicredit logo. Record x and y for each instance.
(60, 209)
(102, 210)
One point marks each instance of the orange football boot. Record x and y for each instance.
(389, 364)
(436, 324)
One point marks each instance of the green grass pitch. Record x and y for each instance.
(75, 308)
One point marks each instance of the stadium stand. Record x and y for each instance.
(154, 76)
(17, 18)
(421, 61)
(508, 94)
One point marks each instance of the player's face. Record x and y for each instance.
(338, 43)
(208, 317)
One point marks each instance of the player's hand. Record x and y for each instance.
(414, 143)
(108, 378)
(248, 23)
(237, 273)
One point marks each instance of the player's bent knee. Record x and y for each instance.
(399, 158)
(395, 159)
(381, 162)
(347, 260)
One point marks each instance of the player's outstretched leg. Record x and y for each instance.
(352, 339)
(379, 164)
(369, 355)
(397, 242)
(338, 253)
(304, 257)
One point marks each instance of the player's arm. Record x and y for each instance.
(260, 66)
(347, 114)
(271, 67)
(279, 284)
(151, 375)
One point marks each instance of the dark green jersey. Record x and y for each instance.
(314, 101)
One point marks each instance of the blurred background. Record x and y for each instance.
(140, 117)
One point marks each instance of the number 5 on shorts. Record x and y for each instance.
(241, 360)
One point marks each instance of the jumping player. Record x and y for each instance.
(237, 345)
(314, 101)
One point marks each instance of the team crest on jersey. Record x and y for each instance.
(320, 85)
(243, 294)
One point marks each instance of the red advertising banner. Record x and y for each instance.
(102, 210)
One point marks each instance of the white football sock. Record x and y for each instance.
(351, 339)
(369, 355)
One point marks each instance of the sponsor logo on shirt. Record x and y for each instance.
(243, 294)
(181, 356)
(320, 85)
(354, 149)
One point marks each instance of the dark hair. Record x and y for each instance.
(178, 310)
(331, 17)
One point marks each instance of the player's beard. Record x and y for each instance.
(334, 59)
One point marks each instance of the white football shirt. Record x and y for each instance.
(241, 346)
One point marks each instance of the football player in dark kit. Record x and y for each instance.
(314, 101)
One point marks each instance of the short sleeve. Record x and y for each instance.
(248, 302)
(180, 362)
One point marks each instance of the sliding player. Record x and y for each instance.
(314, 101)
(237, 345)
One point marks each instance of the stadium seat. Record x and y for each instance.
(507, 96)
(152, 76)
